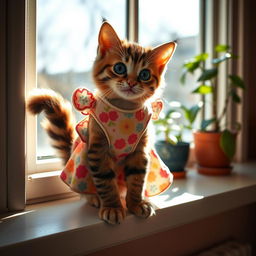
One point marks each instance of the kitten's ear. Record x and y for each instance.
(162, 54)
(108, 38)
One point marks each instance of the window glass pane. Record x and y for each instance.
(67, 36)
(162, 21)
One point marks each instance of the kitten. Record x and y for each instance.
(126, 76)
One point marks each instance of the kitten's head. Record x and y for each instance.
(127, 70)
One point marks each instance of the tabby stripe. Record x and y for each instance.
(136, 56)
(49, 109)
(136, 197)
(136, 200)
(133, 171)
(129, 50)
(58, 121)
(134, 193)
(92, 151)
(105, 79)
(136, 185)
(66, 148)
(149, 82)
(58, 137)
(142, 57)
(100, 185)
(94, 168)
(107, 197)
(105, 175)
(93, 159)
(103, 185)
(112, 204)
(96, 145)
(151, 88)
(104, 197)
(155, 78)
(103, 193)
(103, 69)
(112, 74)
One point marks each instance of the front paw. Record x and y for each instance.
(143, 209)
(112, 215)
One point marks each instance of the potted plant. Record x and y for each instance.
(172, 149)
(215, 142)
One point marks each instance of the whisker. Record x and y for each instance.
(105, 93)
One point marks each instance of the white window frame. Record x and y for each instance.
(40, 174)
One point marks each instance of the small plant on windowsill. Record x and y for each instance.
(173, 150)
(215, 142)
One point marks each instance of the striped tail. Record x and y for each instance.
(59, 121)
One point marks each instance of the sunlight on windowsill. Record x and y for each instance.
(43, 175)
(15, 215)
(174, 198)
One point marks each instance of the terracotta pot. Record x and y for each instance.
(210, 157)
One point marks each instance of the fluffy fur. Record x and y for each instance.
(127, 75)
(59, 122)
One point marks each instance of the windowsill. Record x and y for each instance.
(71, 227)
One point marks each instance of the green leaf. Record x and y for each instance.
(226, 56)
(208, 74)
(237, 81)
(206, 122)
(188, 127)
(202, 57)
(203, 89)
(172, 139)
(160, 122)
(222, 48)
(228, 143)
(191, 66)
(186, 112)
(191, 113)
(235, 96)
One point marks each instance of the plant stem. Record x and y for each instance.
(214, 107)
(224, 111)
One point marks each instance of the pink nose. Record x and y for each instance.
(131, 83)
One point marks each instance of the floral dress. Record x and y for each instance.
(123, 130)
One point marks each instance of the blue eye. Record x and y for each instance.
(120, 68)
(144, 75)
